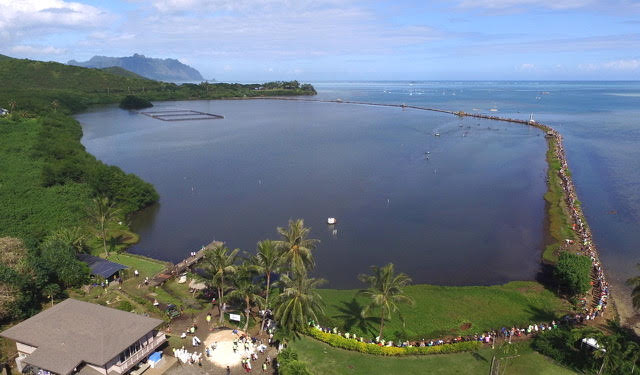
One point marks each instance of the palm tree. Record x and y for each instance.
(73, 237)
(299, 302)
(296, 247)
(218, 264)
(384, 292)
(246, 291)
(103, 212)
(266, 261)
(609, 353)
(632, 351)
(634, 282)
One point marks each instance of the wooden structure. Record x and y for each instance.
(187, 263)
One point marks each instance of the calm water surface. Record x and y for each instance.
(468, 212)
(600, 122)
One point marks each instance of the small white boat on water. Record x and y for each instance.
(437, 134)
(494, 110)
(331, 220)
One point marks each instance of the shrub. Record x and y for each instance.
(294, 368)
(134, 102)
(290, 365)
(573, 272)
(355, 345)
(125, 306)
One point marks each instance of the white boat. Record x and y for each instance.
(494, 110)
(331, 220)
(437, 134)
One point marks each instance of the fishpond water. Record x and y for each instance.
(453, 201)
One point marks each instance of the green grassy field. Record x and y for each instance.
(323, 359)
(146, 266)
(557, 212)
(442, 310)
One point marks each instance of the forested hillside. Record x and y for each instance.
(52, 192)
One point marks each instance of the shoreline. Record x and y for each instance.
(576, 218)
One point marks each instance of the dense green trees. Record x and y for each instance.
(573, 273)
(618, 352)
(384, 292)
(134, 102)
(27, 275)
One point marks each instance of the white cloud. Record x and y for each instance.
(255, 6)
(632, 64)
(509, 4)
(22, 17)
(622, 65)
(526, 67)
(23, 50)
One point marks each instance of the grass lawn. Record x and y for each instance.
(443, 310)
(146, 266)
(323, 359)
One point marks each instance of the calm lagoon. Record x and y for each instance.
(465, 207)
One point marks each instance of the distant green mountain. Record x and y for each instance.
(38, 86)
(121, 72)
(170, 70)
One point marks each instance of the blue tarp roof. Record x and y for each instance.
(101, 267)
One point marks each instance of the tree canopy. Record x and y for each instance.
(573, 272)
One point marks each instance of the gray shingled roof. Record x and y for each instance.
(99, 266)
(74, 331)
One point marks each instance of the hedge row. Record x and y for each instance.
(351, 344)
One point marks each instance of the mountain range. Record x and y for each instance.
(170, 70)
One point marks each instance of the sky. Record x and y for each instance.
(325, 40)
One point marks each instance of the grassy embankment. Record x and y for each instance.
(323, 359)
(445, 311)
(557, 210)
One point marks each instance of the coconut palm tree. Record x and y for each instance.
(634, 282)
(385, 292)
(246, 290)
(74, 237)
(267, 260)
(103, 212)
(296, 248)
(299, 302)
(632, 351)
(219, 264)
(609, 353)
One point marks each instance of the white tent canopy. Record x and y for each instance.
(592, 343)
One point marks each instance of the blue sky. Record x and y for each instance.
(258, 40)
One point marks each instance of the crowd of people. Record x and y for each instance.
(600, 290)
(486, 337)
